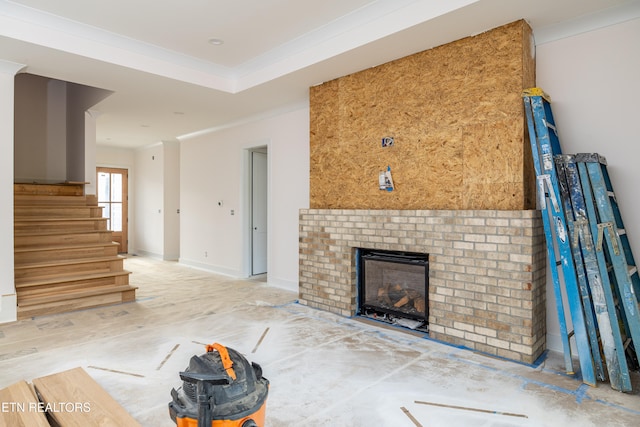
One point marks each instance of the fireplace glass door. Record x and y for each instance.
(393, 286)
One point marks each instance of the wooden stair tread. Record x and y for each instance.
(75, 385)
(24, 226)
(63, 247)
(48, 188)
(48, 183)
(22, 197)
(42, 281)
(57, 232)
(72, 295)
(79, 202)
(44, 264)
(54, 219)
(59, 206)
(64, 257)
(20, 210)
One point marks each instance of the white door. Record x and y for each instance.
(258, 212)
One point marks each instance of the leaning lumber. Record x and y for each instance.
(74, 399)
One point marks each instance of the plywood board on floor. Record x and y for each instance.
(76, 399)
(19, 407)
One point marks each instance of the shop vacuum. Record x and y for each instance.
(220, 389)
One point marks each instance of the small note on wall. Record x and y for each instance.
(385, 181)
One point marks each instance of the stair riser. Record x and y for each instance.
(49, 189)
(64, 254)
(64, 239)
(59, 211)
(67, 269)
(39, 200)
(73, 304)
(27, 292)
(66, 226)
(59, 223)
(129, 296)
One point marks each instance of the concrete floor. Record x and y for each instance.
(324, 370)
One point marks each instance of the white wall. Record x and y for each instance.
(213, 167)
(123, 158)
(90, 152)
(592, 79)
(149, 201)
(55, 120)
(32, 131)
(154, 196)
(8, 300)
(171, 186)
(52, 141)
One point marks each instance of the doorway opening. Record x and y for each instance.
(258, 207)
(113, 196)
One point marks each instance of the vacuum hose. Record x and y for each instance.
(249, 423)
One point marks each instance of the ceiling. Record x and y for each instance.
(170, 82)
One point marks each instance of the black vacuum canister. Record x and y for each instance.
(220, 389)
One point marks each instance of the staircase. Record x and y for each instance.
(64, 257)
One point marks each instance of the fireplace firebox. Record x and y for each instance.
(393, 287)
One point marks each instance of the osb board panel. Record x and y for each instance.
(456, 115)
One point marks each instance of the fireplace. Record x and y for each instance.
(393, 286)
(486, 273)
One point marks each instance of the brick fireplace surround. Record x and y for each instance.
(486, 270)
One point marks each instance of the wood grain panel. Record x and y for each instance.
(21, 407)
(457, 118)
(93, 405)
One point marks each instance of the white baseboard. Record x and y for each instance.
(283, 284)
(211, 268)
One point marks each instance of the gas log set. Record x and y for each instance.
(396, 297)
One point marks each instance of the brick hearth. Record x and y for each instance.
(486, 270)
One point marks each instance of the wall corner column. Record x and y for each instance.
(90, 117)
(8, 298)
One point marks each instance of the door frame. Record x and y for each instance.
(247, 259)
(259, 251)
(125, 203)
